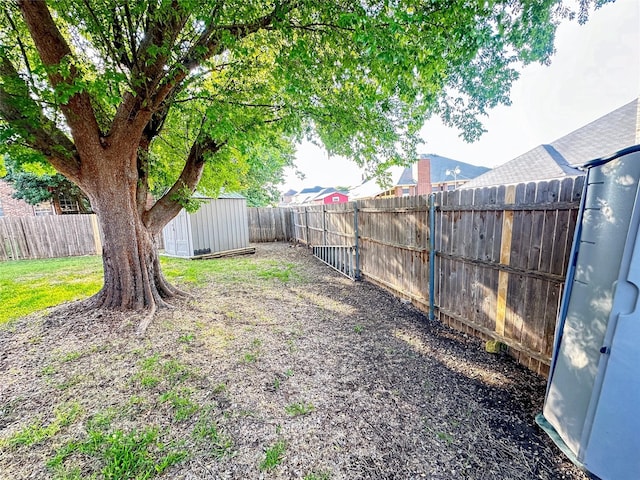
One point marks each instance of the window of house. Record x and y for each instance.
(405, 191)
(68, 205)
(335, 199)
(1, 210)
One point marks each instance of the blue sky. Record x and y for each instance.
(595, 70)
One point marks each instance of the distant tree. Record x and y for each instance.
(125, 97)
(264, 196)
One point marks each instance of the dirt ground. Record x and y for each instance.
(348, 381)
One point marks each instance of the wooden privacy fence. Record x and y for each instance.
(270, 224)
(49, 236)
(500, 255)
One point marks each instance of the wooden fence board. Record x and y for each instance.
(486, 278)
(49, 236)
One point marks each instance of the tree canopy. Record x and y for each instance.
(254, 77)
(126, 98)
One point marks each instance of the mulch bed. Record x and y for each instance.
(384, 393)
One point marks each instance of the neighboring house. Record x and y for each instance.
(287, 197)
(314, 196)
(560, 159)
(448, 174)
(406, 185)
(429, 174)
(305, 195)
(330, 196)
(12, 207)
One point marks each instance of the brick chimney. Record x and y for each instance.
(424, 176)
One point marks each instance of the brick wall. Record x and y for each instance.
(11, 207)
(424, 176)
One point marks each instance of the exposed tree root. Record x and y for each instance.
(95, 308)
(146, 321)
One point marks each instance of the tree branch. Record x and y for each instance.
(148, 68)
(207, 46)
(132, 33)
(112, 49)
(53, 49)
(119, 40)
(318, 26)
(210, 98)
(23, 51)
(38, 131)
(166, 85)
(168, 206)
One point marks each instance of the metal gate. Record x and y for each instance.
(319, 234)
(342, 258)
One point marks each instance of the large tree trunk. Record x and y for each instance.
(133, 279)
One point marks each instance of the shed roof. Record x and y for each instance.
(221, 195)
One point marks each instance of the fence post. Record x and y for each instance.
(357, 240)
(432, 255)
(324, 224)
(272, 217)
(291, 227)
(259, 224)
(306, 222)
(96, 234)
(505, 259)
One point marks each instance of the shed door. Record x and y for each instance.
(169, 238)
(181, 228)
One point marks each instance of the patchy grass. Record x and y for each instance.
(37, 432)
(318, 476)
(284, 273)
(299, 408)
(135, 455)
(186, 338)
(153, 371)
(183, 406)
(27, 286)
(228, 270)
(208, 432)
(254, 353)
(273, 455)
(179, 403)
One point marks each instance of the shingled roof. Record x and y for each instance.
(608, 134)
(441, 165)
(406, 178)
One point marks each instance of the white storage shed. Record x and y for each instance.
(220, 225)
